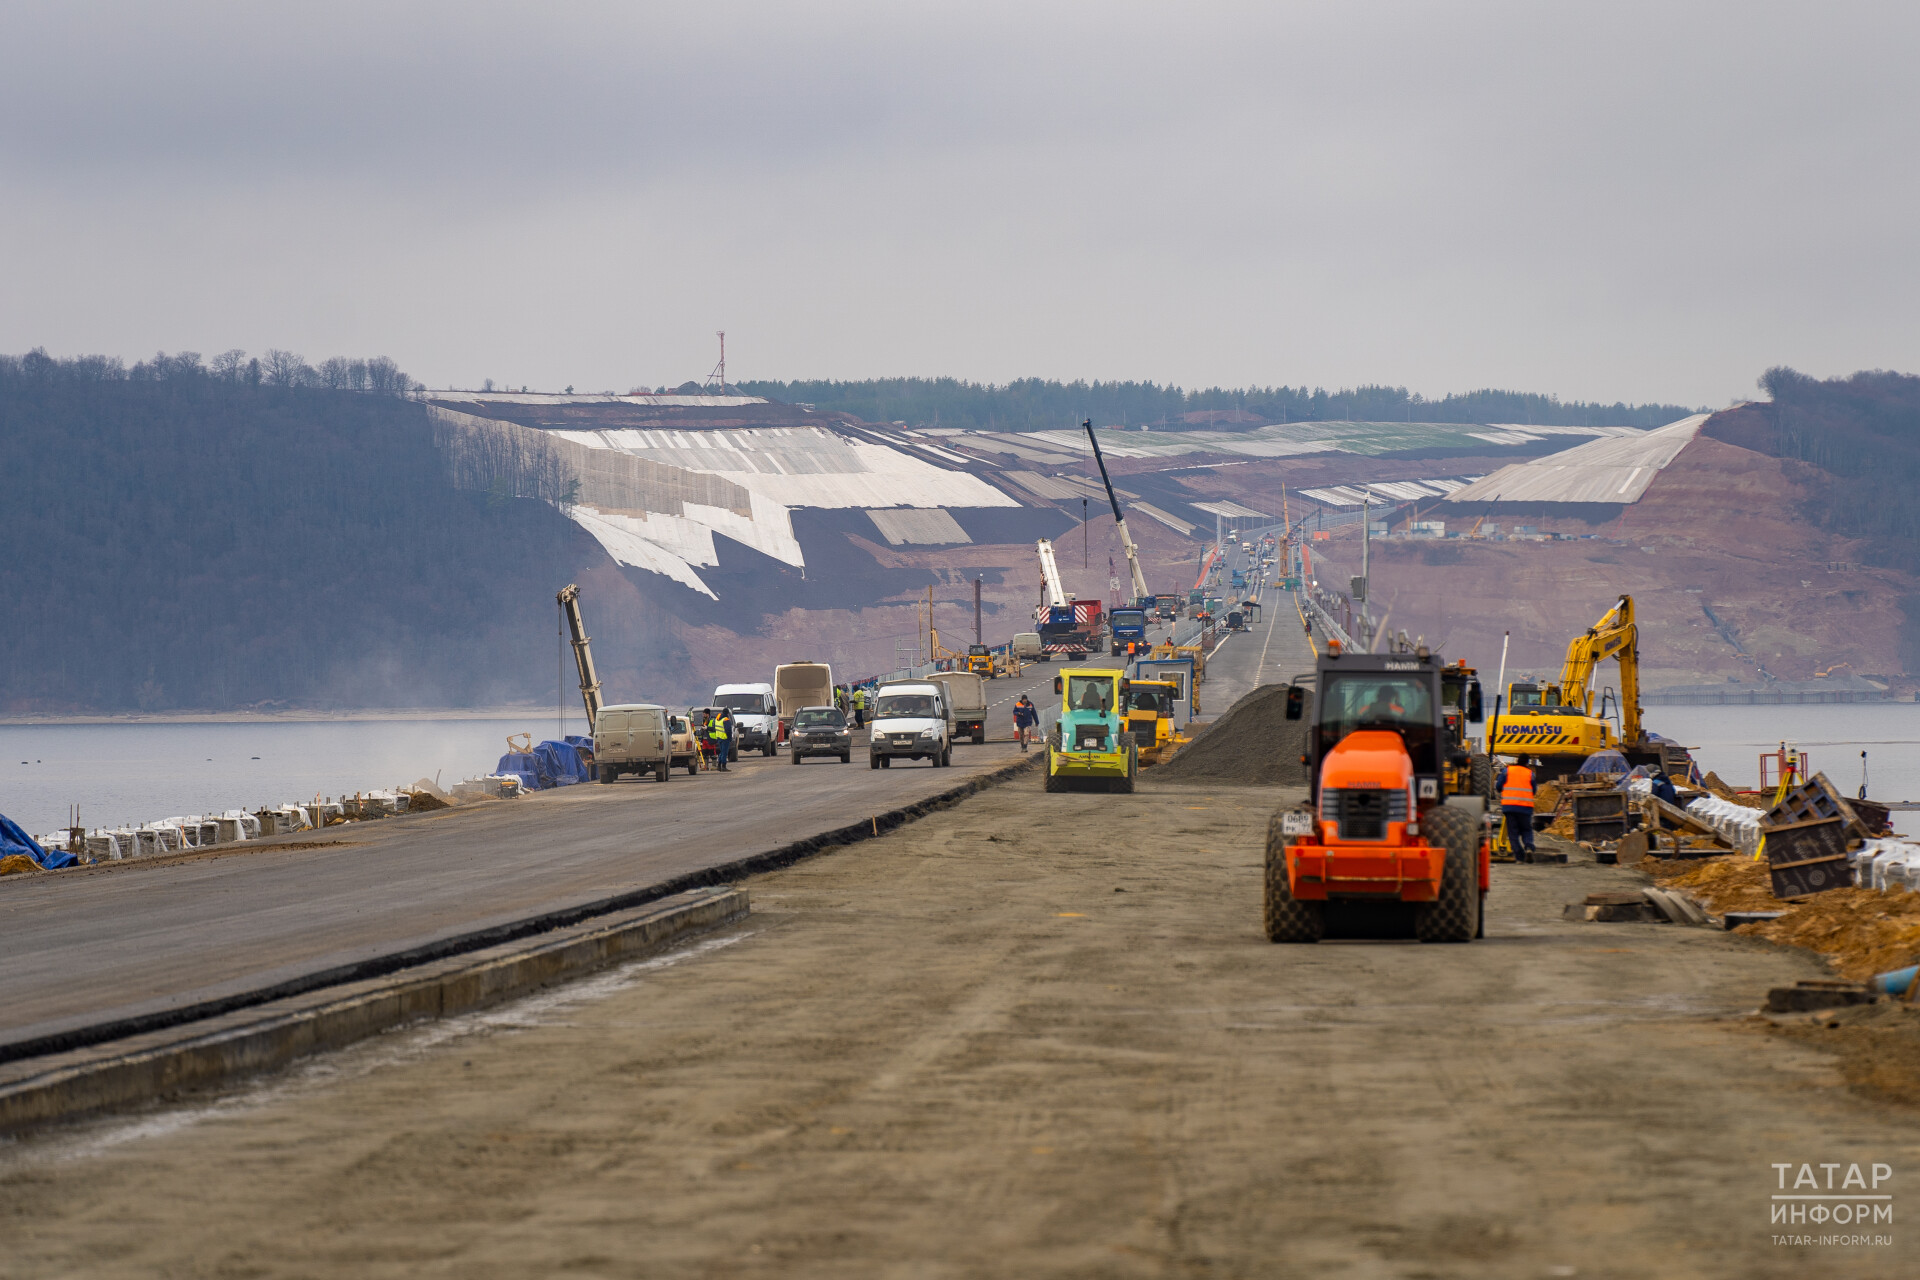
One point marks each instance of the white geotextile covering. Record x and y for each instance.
(1738, 825)
(1884, 864)
(1617, 469)
(1352, 495)
(780, 468)
(1168, 519)
(911, 526)
(1231, 510)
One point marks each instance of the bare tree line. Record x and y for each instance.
(374, 375)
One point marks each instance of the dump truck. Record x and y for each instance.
(1378, 830)
(797, 685)
(1090, 748)
(966, 702)
(1129, 627)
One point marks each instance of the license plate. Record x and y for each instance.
(1296, 823)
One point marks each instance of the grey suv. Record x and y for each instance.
(820, 731)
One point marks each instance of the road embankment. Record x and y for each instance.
(1028, 1034)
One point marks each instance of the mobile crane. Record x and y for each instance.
(1067, 627)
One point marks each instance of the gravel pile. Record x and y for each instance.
(1253, 744)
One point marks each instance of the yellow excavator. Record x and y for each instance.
(1561, 724)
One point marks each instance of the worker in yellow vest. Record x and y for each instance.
(1516, 803)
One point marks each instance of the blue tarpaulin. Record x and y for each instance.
(563, 764)
(523, 765)
(549, 764)
(15, 841)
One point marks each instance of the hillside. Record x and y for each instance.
(194, 543)
(191, 540)
(1773, 546)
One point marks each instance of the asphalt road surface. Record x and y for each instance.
(136, 938)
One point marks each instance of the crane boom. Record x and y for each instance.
(1050, 575)
(1140, 592)
(569, 599)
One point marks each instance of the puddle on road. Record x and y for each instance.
(86, 1139)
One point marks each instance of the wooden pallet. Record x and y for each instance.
(1813, 800)
(1808, 857)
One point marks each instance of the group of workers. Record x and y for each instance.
(715, 735)
(1515, 787)
(853, 702)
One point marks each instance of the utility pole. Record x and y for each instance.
(976, 611)
(1366, 579)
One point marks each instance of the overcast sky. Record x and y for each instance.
(1604, 201)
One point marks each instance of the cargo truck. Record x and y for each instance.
(966, 703)
(1129, 627)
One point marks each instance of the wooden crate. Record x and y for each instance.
(1807, 857)
(1814, 799)
(1600, 815)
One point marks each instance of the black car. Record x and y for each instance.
(820, 731)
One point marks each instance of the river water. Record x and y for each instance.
(126, 774)
(123, 774)
(1729, 740)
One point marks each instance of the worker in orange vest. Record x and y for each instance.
(1516, 803)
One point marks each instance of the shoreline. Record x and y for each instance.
(290, 717)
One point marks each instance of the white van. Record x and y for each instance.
(911, 721)
(1026, 647)
(756, 716)
(632, 738)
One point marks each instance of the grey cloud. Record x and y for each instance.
(1613, 200)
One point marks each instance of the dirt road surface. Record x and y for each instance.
(1030, 1035)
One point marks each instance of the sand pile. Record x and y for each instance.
(1861, 931)
(1253, 745)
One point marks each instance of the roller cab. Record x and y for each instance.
(1091, 748)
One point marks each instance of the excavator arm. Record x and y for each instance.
(569, 599)
(1614, 636)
